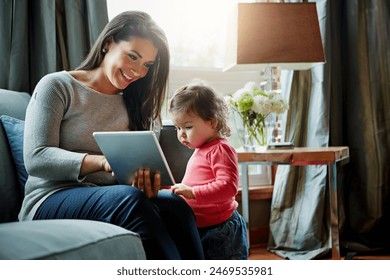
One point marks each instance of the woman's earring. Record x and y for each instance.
(104, 50)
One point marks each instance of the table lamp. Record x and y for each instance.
(274, 36)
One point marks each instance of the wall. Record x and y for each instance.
(223, 82)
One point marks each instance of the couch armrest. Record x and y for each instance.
(68, 240)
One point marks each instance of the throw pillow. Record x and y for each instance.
(14, 129)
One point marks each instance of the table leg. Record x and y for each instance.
(334, 211)
(245, 196)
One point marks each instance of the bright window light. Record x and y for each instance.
(196, 30)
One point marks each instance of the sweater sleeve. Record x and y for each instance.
(42, 153)
(224, 165)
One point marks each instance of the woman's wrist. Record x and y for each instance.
(93, 163)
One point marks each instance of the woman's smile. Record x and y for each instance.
(127, 77)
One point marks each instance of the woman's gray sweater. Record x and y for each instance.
(60, 120)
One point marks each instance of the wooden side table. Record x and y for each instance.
(329, 156)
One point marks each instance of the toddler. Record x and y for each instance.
(210, 182)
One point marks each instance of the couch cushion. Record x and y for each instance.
(13, 104)
(10, 194)
(69, 240)
(14, 130)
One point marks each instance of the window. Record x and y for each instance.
(197, 33)
(196, 30)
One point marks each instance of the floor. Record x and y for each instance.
(260, 252)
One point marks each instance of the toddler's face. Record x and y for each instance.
(193, 131)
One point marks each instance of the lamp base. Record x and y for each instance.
(280, 146)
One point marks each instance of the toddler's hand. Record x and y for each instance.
(184, 190)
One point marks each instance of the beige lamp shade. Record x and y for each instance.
(275, 34)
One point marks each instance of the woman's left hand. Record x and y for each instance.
(142, 180)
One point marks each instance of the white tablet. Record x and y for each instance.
(128, 151)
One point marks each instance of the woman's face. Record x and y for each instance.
(127, 61)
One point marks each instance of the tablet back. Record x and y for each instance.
(128, 151)
(176, 153)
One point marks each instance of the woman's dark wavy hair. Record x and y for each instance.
(144, 98)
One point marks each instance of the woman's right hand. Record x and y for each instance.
(142, 180)
(106, 166)
(94, 163)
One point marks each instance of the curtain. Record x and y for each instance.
(366, 93)
(44, 36)
(342, 103)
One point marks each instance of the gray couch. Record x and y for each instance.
(63, 239)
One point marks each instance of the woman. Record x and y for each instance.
(120, 86)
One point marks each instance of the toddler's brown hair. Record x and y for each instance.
(204, 101)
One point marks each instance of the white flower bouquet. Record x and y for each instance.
(253, 106)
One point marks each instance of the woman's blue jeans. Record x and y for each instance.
(165, 223)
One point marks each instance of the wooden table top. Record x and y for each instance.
(295, 156)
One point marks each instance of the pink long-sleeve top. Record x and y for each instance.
(213, 173)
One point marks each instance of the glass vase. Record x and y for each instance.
(252, 133)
